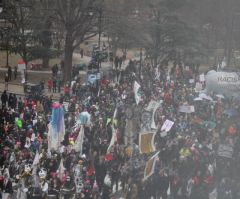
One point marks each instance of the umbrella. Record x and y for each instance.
(220, 96)
(204, 96)
(231, 112)
(209, 124)
(198, 99)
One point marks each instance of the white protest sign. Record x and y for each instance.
(151, 106)
(153, 124)
(225, 151)
(21, 67)
(92, 78)
(137, 92)
(65, 105)
(98, 76)
(34, 122)
(167, 125)
(163, 134)
(202, 78)
(198, 87)
(186, 109)
(191, 81)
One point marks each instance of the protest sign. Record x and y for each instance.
(146, 120)
(191, 81)
(202, 78)
(34, 122)
(146, 142)
(152, 107)
(153, 123)
(225, 151)
(98, 76)
(21, 65)
(65, 105)
(150, 166)
(152, 104)
(167, 125)
(92, 78)
(137, 92)
(163, 134)
(198, 87)
(186, 109)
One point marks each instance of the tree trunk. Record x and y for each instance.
(67, 70)
(7, 56)
(45, 62)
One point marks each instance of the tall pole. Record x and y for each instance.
(140, 67)
(99, 36)
(7, 53)
(230, 40)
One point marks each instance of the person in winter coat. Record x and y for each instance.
(163, 184)
(6, 81)
(4, 98)
(7, 188)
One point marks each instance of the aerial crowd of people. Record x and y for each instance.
(198, 158)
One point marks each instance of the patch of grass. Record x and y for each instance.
(14, 58)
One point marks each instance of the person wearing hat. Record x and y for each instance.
(7, 188)
(68, 188)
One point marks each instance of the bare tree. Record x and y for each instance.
(78, 18)
(19, 15)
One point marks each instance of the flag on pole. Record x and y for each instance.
(114, 131)
(137, 92)
(56, 127)
(79, 141)
(150, 166)
(61, 170)
(113, 139)
(36, 159)
(146, 142)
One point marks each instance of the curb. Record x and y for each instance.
(17, 84)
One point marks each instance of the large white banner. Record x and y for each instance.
(137, 92)
(227, 83)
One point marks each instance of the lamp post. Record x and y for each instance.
(99, 34)
(230, 39)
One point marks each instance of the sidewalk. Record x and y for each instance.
(18, 90)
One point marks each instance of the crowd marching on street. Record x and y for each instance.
(100, 153)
